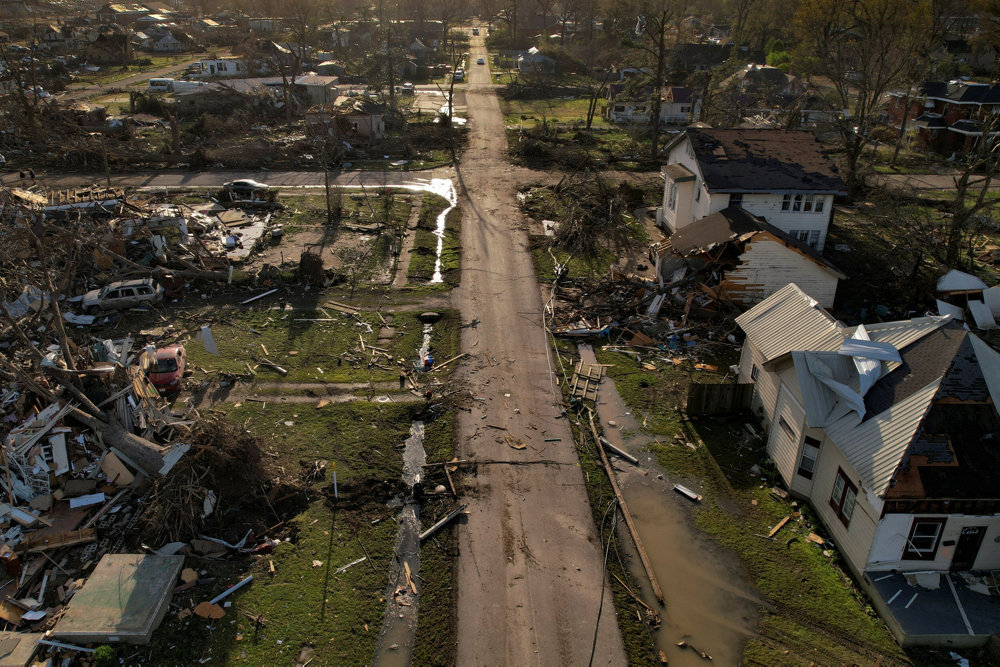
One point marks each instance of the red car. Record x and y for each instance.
(167, 371)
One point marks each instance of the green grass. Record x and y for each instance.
(424, 252)
(318, 345)
(578, 266)
(533, 113)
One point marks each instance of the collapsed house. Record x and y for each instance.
(889, 430)
(745, 259)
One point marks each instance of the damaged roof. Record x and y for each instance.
(754, 160)
(737, 224)
(790, 320)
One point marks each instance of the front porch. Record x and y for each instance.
(937, 608)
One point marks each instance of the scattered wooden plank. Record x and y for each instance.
(687, 493)
(273, 366)
(259, 296)
(781, 524)
(614, 450)
(445, 363)
(443, 522)
(628, 515)
(409, 579)
(66, 539)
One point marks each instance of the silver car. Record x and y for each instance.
(123, 294)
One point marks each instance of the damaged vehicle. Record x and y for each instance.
(166, 369)
(122, 294)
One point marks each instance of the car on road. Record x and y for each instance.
(245, 186)
(475, 31)
(167, 368)
(123, 294)
(459, 74)
(480, 61)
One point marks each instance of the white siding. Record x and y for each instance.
(768, 206)
(783, 445)
(890, 542)
(765, 394)
(767, 265)
(682, 154)
(855, 540)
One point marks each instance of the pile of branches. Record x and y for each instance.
(225, 460)
(593, 214)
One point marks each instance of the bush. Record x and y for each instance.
(104, 656)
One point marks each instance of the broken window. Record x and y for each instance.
(810, 452)
(922, 542)
(843, 497)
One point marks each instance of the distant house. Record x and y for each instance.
(889, 431)
(781, 176)
(420, 51)
(763, 83)
(748, 260)
(49, 33)
(168, 43)
(947, 116)
(265, 25)
(223, 67)
(121, 13)
(534, 61)
(677, 105)
(358, 121)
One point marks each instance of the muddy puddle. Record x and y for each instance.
(709, 604)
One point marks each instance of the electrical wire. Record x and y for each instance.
(604, 571)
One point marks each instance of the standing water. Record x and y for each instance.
(445, 188)
(399, 627)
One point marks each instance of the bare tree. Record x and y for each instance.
(970, 201)
(655, 21)
(865, 48)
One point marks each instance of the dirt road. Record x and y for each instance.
(530, 564)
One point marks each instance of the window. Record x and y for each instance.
(672, 196)
(697, 191)
(810, 451)
(754, 373)
(786, 427)
(619, 108)
(808, 236)
(685, 109)
(786, 202)
(922, 542)
(127, 293)
(843, 497)
(640, 109)
(736, 199)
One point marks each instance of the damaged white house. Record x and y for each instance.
(892, 434)
(781, 176)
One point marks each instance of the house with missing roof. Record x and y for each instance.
(891, 432)
(745, 259)
(780, 176)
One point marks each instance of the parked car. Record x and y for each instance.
(460, 74)
(480, 61)
(167, 368)
(123, 294)
(475, 31)
(245, 186)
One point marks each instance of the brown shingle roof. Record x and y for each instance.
(749, 160)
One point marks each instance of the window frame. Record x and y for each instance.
(843, 490)
(802, 470)
(672, 196)
(736, 199)
(754, 372)
(910, 551)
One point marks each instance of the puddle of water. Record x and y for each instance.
(445, 188)
(707, 604)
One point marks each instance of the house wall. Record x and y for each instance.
(855, 540)
(765, 393)
(674, 112)
(768, 206)
(767, 265)
(894, 529)
(783, 444)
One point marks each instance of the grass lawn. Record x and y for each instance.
(532, 113)
(424, 250)
(310, 350)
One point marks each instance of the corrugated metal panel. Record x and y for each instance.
(875, 447)
(989, 362)
(904, 332)
(790, 320)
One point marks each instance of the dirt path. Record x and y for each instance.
(530, 564)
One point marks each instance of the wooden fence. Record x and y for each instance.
(717, 399)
